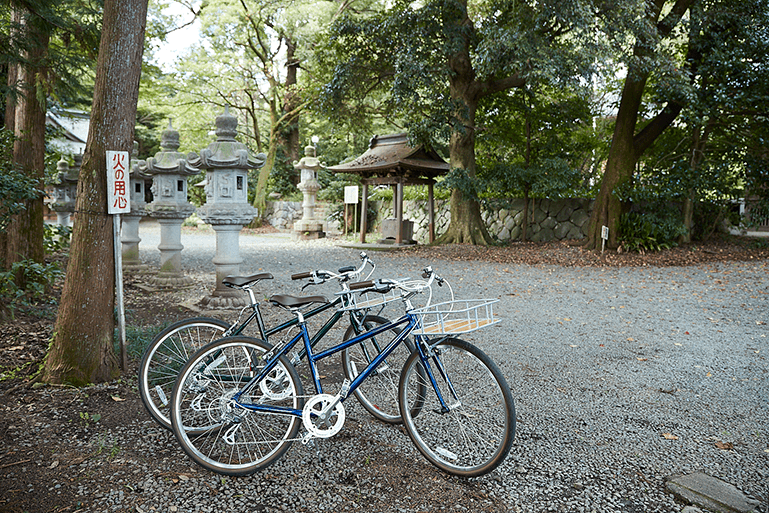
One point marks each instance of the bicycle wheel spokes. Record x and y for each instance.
(164, 358)
(379, 392)
(473, 434)
(213, 429)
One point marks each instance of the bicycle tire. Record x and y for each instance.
(475, 435)
(378, 393)
(164, 357)
(216, 434)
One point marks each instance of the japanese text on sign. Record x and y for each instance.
(118, 199)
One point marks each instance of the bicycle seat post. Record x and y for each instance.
(257, 311)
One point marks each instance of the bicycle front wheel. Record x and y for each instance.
(213, 429)
(378, 393)
(473, 433)
(165, 356)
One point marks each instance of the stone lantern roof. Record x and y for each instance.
(226, 152)
(168, 161)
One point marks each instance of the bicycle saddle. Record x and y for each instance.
(243, 281)
(287, 301)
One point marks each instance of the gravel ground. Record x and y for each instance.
(621, 377)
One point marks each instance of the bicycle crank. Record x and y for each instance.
(323, 416)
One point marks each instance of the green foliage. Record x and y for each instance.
(137, 339)
(36, 280)
(653, 230)
(86, 419)
(196, 195)
(282, 175)
(56, 238)
(15, 186)
(460, 179)
(539, 141)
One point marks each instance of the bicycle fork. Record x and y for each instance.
(429, 352)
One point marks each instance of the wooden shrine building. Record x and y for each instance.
(390, 160)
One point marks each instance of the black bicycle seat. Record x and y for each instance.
(287, 301)
(244, 281)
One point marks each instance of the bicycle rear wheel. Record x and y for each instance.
(166, 355)
(212, 429)
(378, 393)
(474, 435)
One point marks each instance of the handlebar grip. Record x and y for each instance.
(346, 269)
(361, 285)
(301, 276)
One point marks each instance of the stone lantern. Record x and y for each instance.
(227, 210)
(169, 170)
(64, 192)
(308, 227)
(130, 232)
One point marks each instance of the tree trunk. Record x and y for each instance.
(290, 103)
(525, 220)
(10, 110)
(82, 350)
(699, 143)
(627, 146)
(466, 225)
(24, 235)
(619, 167)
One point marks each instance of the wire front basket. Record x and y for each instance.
(454, 317)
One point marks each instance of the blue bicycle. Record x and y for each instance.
(238, 404)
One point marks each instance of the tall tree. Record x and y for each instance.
(82, 346)
(435, 61)
(48, 49)
(652, 52)
(24, 237)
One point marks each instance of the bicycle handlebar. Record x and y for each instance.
(344, 274)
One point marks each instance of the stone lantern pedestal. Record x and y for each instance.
(227, 210)
(169, 170)
(130, 229)
(308, 227)
(64, 192)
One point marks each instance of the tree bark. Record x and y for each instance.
(24, 235)
(466, 225)
(82, 350)
(290, 103)
(627, 147)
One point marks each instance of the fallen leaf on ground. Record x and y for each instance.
(669, 436)
(724, 445)
(117, 399)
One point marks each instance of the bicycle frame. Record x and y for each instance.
(265, 333)
(411, 322)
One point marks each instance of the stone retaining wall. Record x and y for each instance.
(550, 219)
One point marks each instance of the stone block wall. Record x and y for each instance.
(282, 214)
(550, 219)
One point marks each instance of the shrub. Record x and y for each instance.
(646, 231)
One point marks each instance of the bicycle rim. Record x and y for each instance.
(475, 435)
(217, 434)
(378, 393)
(166, 355)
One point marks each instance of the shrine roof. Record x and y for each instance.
(392, 156)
